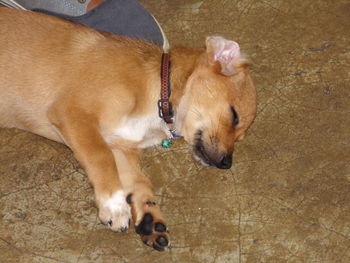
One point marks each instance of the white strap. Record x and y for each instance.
(11, 3)
(166, 45)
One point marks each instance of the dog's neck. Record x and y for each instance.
(183, 61)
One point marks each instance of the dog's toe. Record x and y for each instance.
(145, 227)
(156, 241)
(149, 223)
(162, 241)
(153, 234)
(117, 224)
(159, 227)
(115, 212)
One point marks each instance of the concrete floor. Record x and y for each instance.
(287, 198)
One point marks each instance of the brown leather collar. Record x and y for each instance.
(164, 105)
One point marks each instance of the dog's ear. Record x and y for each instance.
(223, 53)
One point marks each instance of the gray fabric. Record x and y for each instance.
(122, 17)
(68, 7)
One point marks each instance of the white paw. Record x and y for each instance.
(115, 212)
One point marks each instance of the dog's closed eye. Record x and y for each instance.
(235, 118)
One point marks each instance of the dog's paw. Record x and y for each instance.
(115, 212)
(149, 223)
(153, 233)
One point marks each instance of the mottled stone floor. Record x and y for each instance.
(287, 199)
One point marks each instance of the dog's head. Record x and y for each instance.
(219, 103)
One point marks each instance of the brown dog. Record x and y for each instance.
(98, 94)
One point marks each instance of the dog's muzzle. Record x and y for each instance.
(200, 154)
(225, 162)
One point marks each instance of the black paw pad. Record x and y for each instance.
(162, 241)
(148, 218)
(161, 244)
(145, 227)
(159, 227)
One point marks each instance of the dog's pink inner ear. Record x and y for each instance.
(223, 51)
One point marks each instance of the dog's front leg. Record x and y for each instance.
(149, 222)
(81, 133)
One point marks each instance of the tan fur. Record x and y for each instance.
(91, 90)
(93, 4)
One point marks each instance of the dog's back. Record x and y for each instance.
(30, 46)
(42, 57)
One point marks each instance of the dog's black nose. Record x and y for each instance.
(225, 162)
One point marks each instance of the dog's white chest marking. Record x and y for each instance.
(146, 131)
